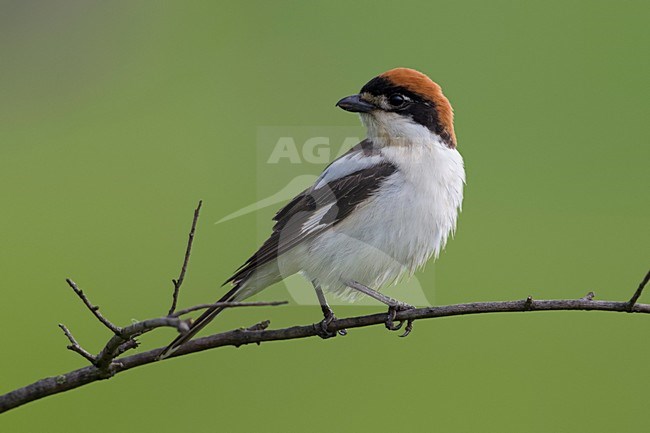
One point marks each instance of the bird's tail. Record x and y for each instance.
(247, 282)
(200, 323)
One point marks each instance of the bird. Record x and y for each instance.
(375, 215)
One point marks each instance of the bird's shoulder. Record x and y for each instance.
(348, 180)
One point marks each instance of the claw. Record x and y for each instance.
(393, 307)
(390, 325)
(321, 327)
(392, 312)
(408, 329)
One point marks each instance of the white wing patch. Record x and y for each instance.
(314, 222)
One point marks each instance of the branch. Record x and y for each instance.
(74, 346)
(106, 363)
(118, 344)
(258, 334)
(93, 308)
(188, 252)
(639, 290)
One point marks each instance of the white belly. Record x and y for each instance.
(393, 234)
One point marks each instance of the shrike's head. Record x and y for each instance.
(403, 106)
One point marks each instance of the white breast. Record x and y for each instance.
(408, 220)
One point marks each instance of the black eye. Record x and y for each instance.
(396, 100)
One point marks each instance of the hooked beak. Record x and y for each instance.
(355, 104)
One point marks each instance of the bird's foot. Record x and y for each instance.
(393, 307)
(390, 319)
(323, 325)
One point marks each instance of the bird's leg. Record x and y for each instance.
(393, 306)
(327, 313)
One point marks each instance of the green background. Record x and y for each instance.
(116, 117)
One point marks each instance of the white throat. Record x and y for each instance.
(391, 129)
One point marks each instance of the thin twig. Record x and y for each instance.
(589, 296)
(528, 303)
(127, 345)
(188, 252)
(76, 347)
(638, 292)
(228, 305)
(93, 308)
(238, 337)
(259, 326)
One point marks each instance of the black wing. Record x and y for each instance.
(315, 210)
